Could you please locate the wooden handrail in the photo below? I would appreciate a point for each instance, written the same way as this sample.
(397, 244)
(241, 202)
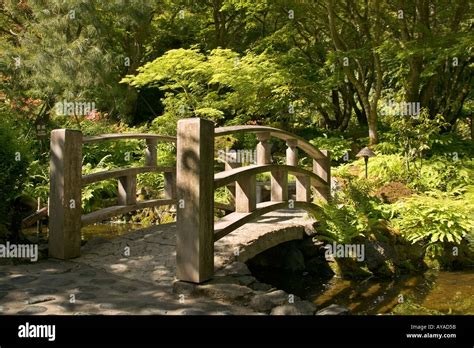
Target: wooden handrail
(104, 137)
(229, 176)
(119, 172)
(275, 132)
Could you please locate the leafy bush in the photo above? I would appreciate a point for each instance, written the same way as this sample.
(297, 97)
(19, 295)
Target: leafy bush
(338, 146)
(13, 166)
(435, 218)
(350, 214)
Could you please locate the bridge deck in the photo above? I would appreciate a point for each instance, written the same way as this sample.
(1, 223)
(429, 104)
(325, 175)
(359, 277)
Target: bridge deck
(106, 281)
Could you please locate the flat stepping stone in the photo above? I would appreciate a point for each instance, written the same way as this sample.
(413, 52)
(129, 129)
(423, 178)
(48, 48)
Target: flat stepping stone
(40, 299)
(6, 287)
(33, 310)
(23, 279)
(41, 291)
(123, 288)
(88, 288)
(87, 274)
(84, 296)
(60, 282)
(106, 281)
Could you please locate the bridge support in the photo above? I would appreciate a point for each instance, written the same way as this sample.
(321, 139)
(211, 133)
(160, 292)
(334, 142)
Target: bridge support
(322, 167)
(303, 188)
(65, 194)
(195, 206)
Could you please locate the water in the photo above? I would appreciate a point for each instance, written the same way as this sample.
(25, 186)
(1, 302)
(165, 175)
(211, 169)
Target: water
(435, 292)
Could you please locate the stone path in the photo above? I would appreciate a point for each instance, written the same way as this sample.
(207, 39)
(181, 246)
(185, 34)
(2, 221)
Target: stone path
(134, 274)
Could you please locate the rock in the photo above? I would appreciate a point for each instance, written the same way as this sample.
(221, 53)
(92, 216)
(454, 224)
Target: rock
(103, 281)
(310, 248)
(123, 288)
(23, 279)
(319, 266)
(93, 243)
(84, 296)
(40, 291)
(60, 282)
(265, 302)
(235, 268)
(32, 310)
(246, 280)
(6, 287)
(334, 310)
(257, 286)
(40, 299)
(183, 288)
(297, 308)
(294, 260)
(227, 292)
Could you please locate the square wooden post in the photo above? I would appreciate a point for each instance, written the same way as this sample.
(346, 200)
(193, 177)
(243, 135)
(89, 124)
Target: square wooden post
(170, 185)
(195, 206)
(279, 185)
(65, 194)
(127, 190)
(303, 190)
(151, 152)
(322, 167)
(245, 194)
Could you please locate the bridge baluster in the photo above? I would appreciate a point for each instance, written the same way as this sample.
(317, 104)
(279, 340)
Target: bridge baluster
(151, 152)
(127, 190)
(263, 148)
(322, 167)
(303, 190)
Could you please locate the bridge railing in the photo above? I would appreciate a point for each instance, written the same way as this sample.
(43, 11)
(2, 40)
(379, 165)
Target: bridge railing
(67, 181)
(196, 182)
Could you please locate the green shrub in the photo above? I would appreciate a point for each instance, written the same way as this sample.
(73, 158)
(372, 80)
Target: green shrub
(350, 214)
(435, 219)
(338, 146)
(13, 166)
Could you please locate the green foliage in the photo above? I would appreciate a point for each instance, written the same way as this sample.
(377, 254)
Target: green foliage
(218, 86)
(352, 213)
(337, 145)
(435, 219)
(13, 166)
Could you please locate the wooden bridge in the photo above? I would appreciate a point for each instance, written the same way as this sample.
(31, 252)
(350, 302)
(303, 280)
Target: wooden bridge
(190, 186)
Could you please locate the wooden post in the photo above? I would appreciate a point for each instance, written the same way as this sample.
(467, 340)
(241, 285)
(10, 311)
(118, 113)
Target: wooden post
(263, 148)
(231, 163)
(303, 190)
(127, 190)
(65, 194)
(150, 152)
(170, 185)
(322, 167)
(195, 193)
(279, 185)
(245, 194)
